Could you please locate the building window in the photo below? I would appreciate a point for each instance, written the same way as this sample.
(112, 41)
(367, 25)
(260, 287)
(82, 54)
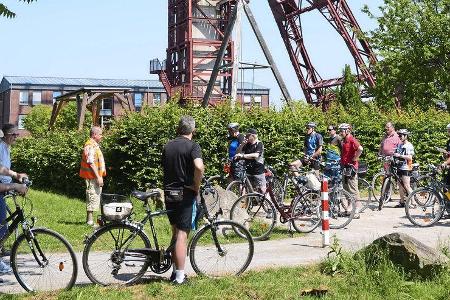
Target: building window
(247, 100)
(156, 99)
(56, 94)
(23, 100)
(257, 100)
(138, 101)
(20, 122)
(36, 98)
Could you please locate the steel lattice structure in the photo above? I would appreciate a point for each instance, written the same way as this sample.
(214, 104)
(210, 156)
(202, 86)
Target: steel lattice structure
(197, 29)
(287, 14)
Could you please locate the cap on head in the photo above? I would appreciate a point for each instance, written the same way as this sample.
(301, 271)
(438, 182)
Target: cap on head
(311, 125)
(233, 126)
(403, 132)
(344, 126)
(252, 131)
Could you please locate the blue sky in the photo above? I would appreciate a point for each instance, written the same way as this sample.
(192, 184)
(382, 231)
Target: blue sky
(116, 39)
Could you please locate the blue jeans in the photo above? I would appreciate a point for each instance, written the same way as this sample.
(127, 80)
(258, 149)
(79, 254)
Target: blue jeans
(3, 229)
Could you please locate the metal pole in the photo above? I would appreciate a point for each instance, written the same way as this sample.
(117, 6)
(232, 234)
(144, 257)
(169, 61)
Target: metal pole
(237, 52)
(220, 55)
(267, 53)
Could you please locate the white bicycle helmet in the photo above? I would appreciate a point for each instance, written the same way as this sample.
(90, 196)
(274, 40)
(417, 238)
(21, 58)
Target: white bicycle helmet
(403, 131)
(234, 126)
(344, 126)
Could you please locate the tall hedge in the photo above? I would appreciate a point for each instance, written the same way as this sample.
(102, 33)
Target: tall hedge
(133, 144)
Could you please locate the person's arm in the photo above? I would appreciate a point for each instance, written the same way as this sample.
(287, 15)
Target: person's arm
(199, 169)
(318, 152)
(89, 151)
(8, 172)
(358, 153)
(20, 188)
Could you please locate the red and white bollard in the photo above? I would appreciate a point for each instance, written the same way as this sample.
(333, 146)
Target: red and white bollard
(325, 214)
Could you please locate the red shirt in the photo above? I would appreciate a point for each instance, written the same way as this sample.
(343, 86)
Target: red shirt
(349, 147)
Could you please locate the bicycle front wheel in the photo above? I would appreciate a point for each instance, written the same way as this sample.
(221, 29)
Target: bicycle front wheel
(306, 212)
(42, 260)
(256, 213)
(222, 248)
(377, 185)
(235, 190)
(424, 207)
(108, 256)
(342, 208)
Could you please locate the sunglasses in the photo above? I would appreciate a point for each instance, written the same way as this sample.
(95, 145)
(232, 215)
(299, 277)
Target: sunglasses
(329, 129)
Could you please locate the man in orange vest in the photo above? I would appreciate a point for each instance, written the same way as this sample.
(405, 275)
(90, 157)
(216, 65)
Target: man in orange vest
(93, 170)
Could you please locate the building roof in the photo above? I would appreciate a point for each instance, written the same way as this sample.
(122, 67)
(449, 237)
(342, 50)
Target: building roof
(29, 81)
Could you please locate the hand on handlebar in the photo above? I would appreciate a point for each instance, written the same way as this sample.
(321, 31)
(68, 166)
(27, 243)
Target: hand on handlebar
(21, 189)
(21, 176)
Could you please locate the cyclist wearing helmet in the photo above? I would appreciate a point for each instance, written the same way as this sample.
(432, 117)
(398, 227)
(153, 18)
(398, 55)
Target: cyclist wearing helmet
(446, 163)
(404, 154)
(350, 152)
(236, 142)
(313, 148)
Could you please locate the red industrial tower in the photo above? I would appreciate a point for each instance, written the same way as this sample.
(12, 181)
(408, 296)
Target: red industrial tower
(287, 15)
(195, 32)
(199, 33)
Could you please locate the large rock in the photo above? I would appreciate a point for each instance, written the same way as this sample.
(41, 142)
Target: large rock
(405, 251)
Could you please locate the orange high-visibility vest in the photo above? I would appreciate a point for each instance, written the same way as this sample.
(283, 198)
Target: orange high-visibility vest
(85, 170)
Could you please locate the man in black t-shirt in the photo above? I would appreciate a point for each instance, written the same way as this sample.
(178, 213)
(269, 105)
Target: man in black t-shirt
(253, 155)
(183, 170)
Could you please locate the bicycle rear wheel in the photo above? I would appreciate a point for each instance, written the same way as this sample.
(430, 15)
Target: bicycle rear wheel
(236, 189)
(256, 213)
(222, 248)
(424, 207)
(306, 212)
(365, 199)
(107, 259)
(42, 260)
(342, 208)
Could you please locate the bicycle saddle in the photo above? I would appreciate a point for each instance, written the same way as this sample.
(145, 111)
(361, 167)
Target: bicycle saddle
(143, 196)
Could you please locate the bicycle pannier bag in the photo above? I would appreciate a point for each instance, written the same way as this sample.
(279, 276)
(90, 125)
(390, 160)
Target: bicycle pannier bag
(313, 183)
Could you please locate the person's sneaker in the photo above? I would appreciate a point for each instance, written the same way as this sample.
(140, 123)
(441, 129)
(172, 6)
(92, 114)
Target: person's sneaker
(90, 223)
(175, 282)
(400, 205)
(4, 268)
(356, 216)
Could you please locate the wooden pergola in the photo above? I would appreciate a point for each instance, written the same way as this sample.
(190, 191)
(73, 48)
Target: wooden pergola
(90, 98)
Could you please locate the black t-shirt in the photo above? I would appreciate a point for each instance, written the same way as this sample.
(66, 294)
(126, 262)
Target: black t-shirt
(254, 166)
(447, 146)
(178, 162)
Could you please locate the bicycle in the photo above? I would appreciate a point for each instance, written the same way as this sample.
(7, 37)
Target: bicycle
(365, 199)
(342, 203)
(41, 259)
(384, 185)
(215, 246)
(258, 212)
(427, 205)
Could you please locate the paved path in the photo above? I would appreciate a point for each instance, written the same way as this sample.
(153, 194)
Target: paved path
(307, 249)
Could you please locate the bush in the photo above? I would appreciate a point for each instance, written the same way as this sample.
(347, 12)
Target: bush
(133, 145)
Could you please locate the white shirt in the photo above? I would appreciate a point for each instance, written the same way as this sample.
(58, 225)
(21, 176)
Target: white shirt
(5, 160)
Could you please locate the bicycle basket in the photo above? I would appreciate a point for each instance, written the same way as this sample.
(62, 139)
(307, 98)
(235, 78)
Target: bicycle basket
(115, 207)
(362, 169)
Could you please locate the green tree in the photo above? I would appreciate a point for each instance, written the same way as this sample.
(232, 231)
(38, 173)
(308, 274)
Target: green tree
(348, 94)
(5, 12)
(412, 38)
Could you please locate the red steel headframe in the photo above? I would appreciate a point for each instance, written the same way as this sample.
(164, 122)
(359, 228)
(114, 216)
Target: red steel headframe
(190, 58)
(338, 14)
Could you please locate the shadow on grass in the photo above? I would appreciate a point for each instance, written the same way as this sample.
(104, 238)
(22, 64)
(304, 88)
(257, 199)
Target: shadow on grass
(72, 222)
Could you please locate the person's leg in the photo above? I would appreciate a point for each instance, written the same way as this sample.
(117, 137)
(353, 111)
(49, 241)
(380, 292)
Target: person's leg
(404, 193)
(93, 192)
(3, 213)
